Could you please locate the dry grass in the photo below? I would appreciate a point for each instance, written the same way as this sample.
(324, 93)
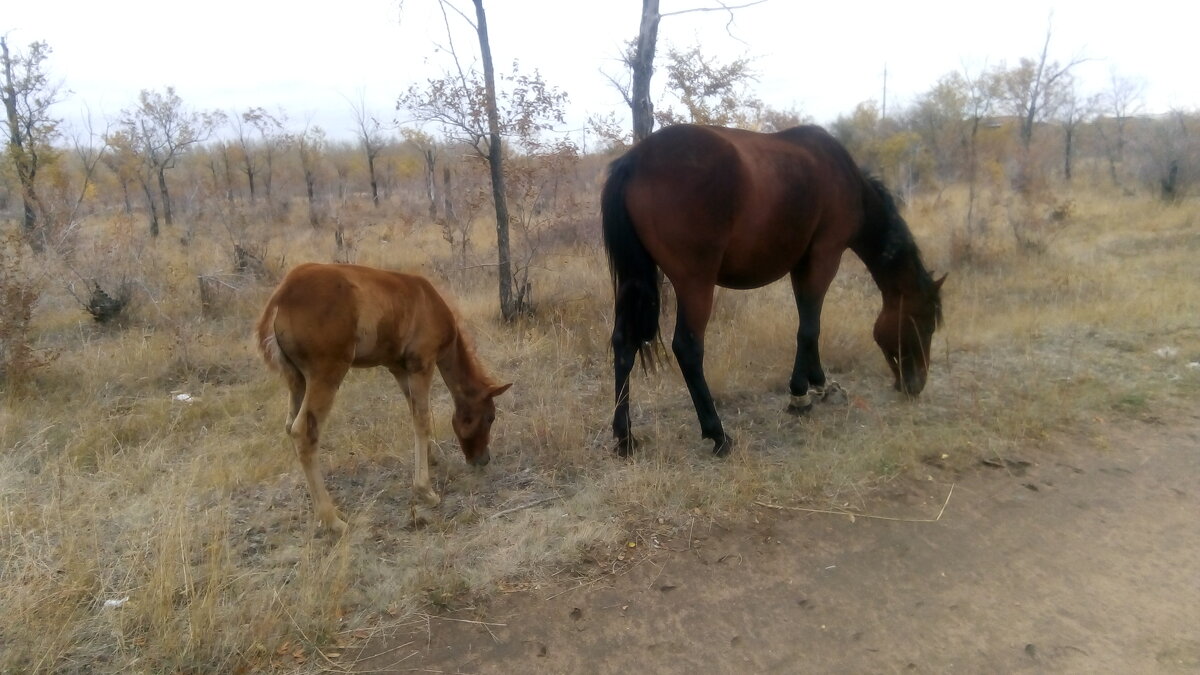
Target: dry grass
(197, 512)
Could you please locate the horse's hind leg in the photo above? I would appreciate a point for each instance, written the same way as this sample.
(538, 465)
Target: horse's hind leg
(624, 354)
(306, 435)
(688, 346)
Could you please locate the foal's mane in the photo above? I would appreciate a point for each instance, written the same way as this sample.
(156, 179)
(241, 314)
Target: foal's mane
(464, 346)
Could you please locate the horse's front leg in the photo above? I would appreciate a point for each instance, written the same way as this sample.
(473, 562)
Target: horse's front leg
(810, 282)
(807, 373)
(688, 346)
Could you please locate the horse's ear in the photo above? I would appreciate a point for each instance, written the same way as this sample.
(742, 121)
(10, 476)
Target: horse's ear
(937, 283)
(498, 389)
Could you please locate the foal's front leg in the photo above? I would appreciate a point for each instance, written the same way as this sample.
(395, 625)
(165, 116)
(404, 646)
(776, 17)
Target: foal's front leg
(416, 387)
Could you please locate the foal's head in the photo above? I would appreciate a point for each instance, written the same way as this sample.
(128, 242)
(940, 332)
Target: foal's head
(904, 331)
(473, 417)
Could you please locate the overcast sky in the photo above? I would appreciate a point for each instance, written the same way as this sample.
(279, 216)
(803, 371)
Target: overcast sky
(312, 58)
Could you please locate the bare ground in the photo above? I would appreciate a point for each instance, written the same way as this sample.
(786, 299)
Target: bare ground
(1080, 556)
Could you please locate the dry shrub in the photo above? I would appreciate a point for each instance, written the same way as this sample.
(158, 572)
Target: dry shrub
(19, 293)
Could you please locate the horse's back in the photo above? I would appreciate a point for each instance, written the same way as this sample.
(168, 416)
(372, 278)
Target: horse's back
(737, 207)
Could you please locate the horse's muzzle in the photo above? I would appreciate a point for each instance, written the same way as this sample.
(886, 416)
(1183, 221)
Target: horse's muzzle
(910, 385)
(481, 460)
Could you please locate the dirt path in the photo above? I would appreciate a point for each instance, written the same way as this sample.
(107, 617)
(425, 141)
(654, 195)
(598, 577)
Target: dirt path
(1085, 560)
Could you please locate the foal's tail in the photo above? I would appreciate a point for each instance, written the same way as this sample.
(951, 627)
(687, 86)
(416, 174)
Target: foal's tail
(635, 276)
(265, 340)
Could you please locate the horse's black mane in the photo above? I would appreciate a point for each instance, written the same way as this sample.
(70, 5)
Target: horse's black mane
(888, 241)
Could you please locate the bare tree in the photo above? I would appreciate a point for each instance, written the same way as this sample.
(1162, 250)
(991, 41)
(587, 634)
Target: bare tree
(160, 130)
(427, 146)
(28, 96)
(640, 61)
(371, 139)
(1122, 101)
(1075, 110)
(1034, 90)
(711, 92)
(469, 109)
(980, 94)
(1171, 154)
(310, 144)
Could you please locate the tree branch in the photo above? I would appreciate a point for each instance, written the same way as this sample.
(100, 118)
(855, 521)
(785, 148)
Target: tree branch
(723, 8)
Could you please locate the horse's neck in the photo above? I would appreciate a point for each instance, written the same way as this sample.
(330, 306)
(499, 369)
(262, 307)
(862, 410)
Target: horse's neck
(891, 257)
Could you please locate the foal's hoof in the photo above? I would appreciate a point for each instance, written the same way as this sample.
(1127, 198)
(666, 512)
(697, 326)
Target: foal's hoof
(426, 497)
(338, 527)
(419, 517)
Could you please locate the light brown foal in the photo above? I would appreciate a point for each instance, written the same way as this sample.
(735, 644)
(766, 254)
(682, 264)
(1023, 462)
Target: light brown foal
(325, 319)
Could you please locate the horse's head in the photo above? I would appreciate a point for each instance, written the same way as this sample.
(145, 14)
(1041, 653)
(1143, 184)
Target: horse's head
(904, 331)
(473, 417)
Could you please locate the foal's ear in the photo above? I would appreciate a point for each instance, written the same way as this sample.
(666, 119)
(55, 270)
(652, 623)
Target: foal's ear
(937, 283)
(498, 389)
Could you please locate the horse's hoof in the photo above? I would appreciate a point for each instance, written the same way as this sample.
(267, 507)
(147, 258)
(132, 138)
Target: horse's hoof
(338, 527)
(626, 446)
(834, 393)
(796, 410)
(722, 447)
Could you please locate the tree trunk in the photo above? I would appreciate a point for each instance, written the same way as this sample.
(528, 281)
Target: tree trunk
(643, 69)
(152, 206)
(18, 153)
(374, 180)
(430, 186)
(508, 304)
(166, 197)
(125, 195)
(447, 206)
(310, 180)
(249, 171)
(1068, 147)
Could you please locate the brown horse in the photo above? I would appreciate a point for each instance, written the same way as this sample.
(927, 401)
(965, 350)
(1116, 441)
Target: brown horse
(711, 207)
(325, 319)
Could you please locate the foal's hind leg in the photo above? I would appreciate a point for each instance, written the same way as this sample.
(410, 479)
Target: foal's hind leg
(305, 431)
(296, 388)
(688, 346)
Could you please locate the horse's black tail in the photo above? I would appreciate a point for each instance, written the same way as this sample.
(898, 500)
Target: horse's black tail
(635, 276)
